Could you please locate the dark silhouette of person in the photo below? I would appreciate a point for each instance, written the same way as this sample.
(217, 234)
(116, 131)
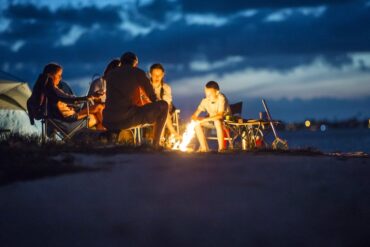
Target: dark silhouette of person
(121, 108)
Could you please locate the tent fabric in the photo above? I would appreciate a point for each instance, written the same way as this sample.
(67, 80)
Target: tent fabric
(13, 93)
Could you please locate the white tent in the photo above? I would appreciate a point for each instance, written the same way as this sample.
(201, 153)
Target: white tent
(14, 94)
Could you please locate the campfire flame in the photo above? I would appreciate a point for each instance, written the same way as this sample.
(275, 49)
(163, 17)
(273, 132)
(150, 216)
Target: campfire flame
(186, 137)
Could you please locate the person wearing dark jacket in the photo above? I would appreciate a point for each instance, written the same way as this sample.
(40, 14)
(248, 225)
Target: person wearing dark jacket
(121, 108)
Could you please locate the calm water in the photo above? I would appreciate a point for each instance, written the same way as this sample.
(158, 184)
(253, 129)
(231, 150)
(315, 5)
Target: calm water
(345, 140)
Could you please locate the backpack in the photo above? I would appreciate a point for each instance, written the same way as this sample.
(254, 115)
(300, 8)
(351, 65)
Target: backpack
(37, 101)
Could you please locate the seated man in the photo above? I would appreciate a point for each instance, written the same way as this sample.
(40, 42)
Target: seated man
(217, 106)
(121, 108)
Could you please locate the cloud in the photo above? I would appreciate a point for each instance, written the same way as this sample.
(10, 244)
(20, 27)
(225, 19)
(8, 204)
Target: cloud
(159, 10)
(315, 80)
(200, 65)
(207, 19)
(17, 45)
(85, 16)
(284, 14)
(227, 7)
(72, 36)
(192, 44)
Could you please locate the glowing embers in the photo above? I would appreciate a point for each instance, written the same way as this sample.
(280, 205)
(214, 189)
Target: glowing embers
(186, 137)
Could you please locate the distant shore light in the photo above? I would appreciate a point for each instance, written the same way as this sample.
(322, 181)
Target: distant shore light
(307, 123)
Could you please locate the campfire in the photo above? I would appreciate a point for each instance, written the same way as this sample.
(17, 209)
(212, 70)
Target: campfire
(186, 138)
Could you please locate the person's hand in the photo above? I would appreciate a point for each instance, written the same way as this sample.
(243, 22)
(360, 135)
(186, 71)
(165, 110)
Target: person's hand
(202, 120)
(94, 97)
(98, 94)
(194, 118)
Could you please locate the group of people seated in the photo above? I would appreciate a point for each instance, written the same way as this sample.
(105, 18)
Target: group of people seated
(125, 97)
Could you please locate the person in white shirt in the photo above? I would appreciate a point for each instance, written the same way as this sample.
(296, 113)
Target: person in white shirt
(216, 105)
(163, 92)
(99, 85)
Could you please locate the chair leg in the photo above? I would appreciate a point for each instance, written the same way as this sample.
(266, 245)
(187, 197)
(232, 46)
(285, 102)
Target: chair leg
(43, 132)
(139, 135)
(134, 133)
(228, 138)
(175, 121)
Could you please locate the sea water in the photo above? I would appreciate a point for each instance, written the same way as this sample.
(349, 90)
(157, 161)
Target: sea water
(330, 140)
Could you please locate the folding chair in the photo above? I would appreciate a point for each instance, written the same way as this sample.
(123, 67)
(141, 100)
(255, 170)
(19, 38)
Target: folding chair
(65, 130)
(176, 120)
(236, 110)
(138, 131)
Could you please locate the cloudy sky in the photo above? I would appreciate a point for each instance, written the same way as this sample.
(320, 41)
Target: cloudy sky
(308, 58)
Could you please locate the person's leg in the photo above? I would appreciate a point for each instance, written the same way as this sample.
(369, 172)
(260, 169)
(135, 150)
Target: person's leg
(220, 134)
(201, 138)
(95, 110)
(169, 125)
(153, 113)
(92, 121)
(160, 121)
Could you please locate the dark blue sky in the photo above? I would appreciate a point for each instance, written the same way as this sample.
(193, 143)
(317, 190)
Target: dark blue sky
(309, 58)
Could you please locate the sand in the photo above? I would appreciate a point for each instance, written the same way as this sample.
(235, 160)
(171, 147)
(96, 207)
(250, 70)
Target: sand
(193, 200)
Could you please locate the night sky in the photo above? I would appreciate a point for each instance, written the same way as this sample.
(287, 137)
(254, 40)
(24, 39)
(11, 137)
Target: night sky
(308, 58)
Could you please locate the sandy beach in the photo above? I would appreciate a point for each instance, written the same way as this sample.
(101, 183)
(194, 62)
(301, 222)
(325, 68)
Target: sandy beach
(175, 199)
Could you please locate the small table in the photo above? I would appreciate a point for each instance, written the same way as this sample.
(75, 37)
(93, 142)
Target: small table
(249, 131)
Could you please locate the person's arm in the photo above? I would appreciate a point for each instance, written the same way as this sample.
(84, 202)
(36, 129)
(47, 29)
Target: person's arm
(195, 115)
(201, 108)
(218, 116)
(220, 111)
(145, 84)
(167, 94)
(53, 91)
(67, 98)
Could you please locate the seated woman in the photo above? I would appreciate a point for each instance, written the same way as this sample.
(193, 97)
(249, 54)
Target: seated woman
(163, 92)
(99, 85)
(60, 103)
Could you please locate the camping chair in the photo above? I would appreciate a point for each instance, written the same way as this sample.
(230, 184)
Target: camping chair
(236, 110)
(65, 130)
(138, 131)
(176, 120)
